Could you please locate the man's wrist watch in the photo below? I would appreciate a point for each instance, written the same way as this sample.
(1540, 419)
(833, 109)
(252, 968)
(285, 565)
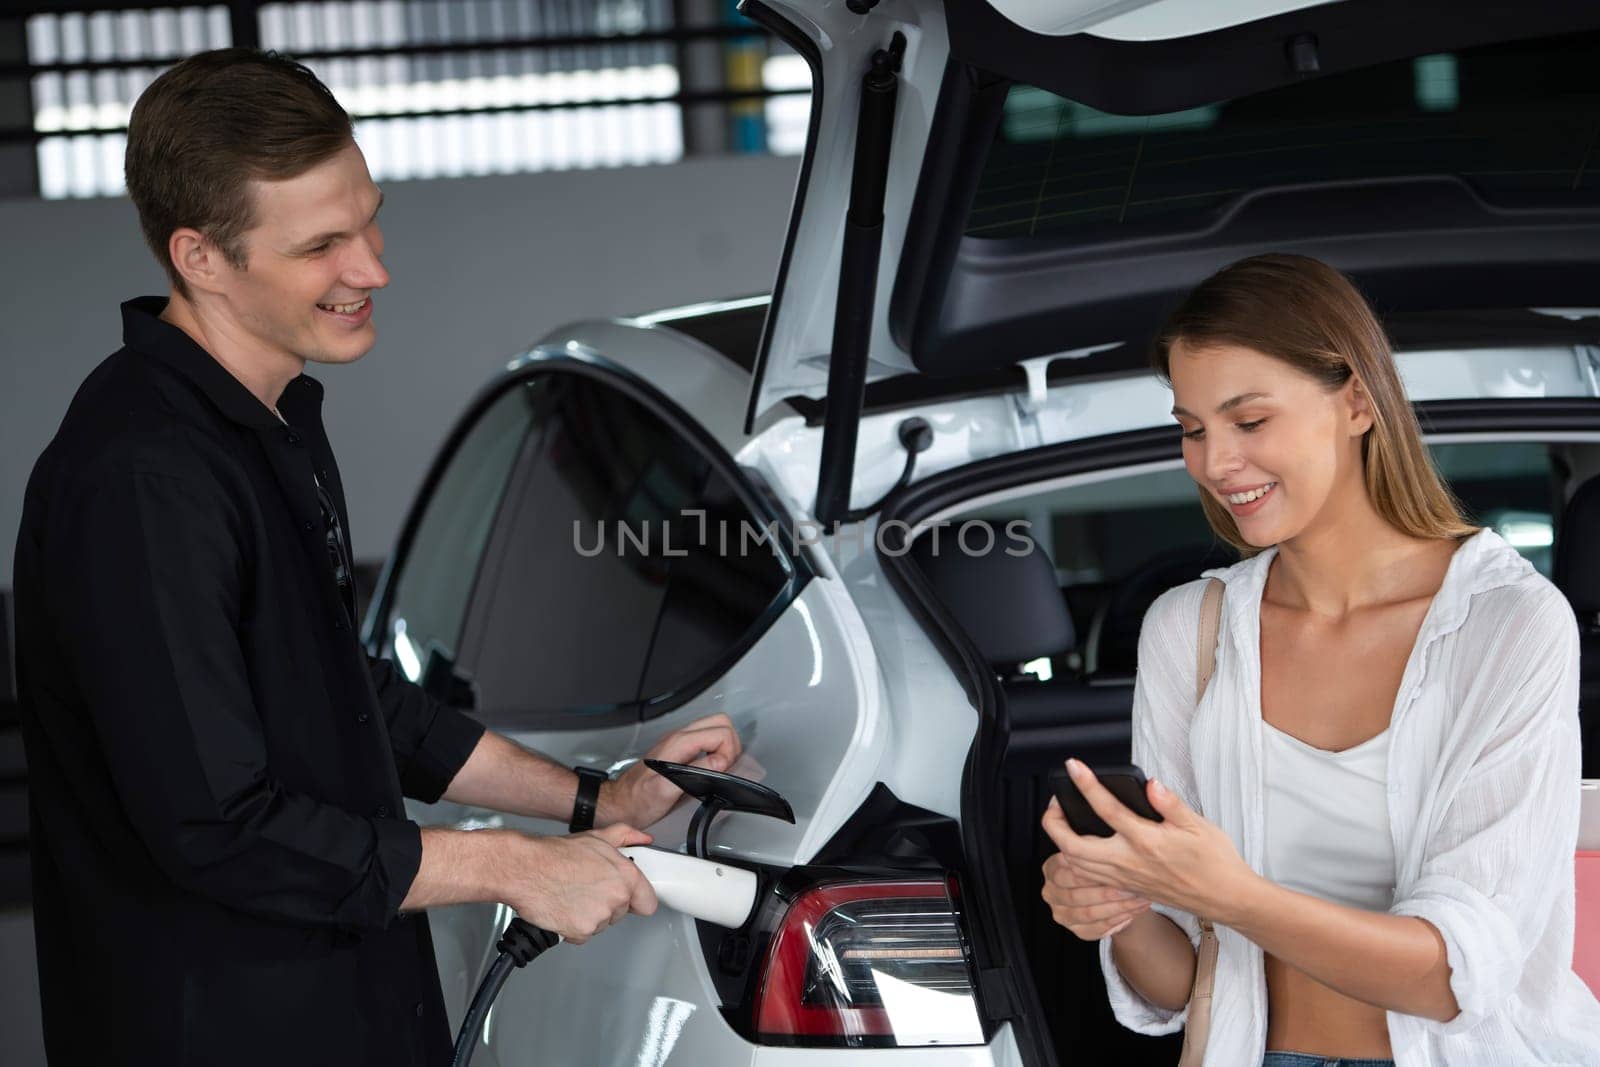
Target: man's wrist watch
(583, 806)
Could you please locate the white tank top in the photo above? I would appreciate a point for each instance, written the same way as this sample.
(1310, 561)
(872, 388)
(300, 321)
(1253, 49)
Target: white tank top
(1327, 820)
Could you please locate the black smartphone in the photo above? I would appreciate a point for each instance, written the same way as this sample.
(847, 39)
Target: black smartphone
(1124, 781)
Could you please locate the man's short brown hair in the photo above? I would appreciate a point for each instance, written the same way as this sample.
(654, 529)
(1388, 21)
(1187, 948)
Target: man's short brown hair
(208, 126)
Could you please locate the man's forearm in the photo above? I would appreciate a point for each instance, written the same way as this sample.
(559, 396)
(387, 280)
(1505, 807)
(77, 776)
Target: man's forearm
(502, 775)
(462, 867)
(1157, 960)
(1394, 962)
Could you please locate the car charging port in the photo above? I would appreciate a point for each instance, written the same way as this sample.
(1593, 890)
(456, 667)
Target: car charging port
(717, 793)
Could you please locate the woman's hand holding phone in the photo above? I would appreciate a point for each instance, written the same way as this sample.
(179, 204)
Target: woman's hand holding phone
(1183, 861)
(1090, 909)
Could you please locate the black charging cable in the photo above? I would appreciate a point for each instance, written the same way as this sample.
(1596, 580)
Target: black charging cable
(521, 943)
(916, 436)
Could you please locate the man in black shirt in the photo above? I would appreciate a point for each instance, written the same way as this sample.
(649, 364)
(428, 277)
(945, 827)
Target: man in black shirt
(224, 873)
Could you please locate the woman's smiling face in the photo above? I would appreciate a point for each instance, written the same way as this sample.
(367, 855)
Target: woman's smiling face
(1267, 441)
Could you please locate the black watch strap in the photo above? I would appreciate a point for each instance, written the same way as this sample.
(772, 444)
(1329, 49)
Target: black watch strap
(583, 806)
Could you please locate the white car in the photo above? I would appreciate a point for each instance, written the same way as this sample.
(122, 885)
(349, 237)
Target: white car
(729, 507)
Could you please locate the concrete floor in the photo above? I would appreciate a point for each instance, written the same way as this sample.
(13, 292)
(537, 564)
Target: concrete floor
(19, 991)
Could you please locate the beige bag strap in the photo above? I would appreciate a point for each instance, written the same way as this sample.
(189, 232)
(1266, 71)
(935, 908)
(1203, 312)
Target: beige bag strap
(1210, 621)
(1198, 1028)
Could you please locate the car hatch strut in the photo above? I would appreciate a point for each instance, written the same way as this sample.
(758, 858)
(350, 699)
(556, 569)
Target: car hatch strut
(858, 282)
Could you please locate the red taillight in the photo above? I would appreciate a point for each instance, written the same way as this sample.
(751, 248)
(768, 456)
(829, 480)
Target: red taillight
(870, 963)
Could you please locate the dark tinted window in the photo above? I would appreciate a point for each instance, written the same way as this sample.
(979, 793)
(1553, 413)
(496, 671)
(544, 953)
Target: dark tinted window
(435, 580)
(1514, 486)
(1514, 120)
(600, 592)
(717, 589)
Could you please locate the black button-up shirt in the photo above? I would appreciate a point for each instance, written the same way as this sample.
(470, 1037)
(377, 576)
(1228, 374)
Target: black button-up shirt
(216, 767)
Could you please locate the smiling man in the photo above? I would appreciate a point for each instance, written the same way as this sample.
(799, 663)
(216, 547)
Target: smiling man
(223, 868)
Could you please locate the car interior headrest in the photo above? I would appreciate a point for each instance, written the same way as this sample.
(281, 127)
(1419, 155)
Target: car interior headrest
(1577, 562)
(1001, 590)
(1113, 645)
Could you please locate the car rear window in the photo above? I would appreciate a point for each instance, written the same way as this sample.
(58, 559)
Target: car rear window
(1517, 121)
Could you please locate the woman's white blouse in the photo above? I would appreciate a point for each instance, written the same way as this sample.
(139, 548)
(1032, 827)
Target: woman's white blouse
(1483, 798)
(1327, 820)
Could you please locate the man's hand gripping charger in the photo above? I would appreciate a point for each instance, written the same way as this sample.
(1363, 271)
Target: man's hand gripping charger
(700, 888)
(703, 889)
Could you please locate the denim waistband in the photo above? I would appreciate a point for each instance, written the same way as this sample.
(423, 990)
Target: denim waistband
(1309, 1059)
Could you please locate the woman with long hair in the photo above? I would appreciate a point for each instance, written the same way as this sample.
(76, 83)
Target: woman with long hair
(1376, 800)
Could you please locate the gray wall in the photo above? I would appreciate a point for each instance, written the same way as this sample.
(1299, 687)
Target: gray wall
(480, 266)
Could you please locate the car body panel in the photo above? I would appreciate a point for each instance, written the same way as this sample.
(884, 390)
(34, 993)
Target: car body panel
(703, 382)
(808, 702)
(1001, 1052)
(976, 428)
(1138, 20)
(635, 995)
(1158, 21)
(800, 327)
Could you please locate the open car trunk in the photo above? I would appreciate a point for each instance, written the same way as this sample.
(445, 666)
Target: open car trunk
(1047, 195)
(1055, 177)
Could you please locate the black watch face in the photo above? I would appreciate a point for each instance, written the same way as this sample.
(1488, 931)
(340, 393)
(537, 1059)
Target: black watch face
(589, 781)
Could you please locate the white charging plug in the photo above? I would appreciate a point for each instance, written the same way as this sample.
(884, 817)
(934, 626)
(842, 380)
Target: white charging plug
(704, 889)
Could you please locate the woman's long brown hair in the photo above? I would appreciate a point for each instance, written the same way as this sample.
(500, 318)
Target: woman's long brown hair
(1310, 316)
